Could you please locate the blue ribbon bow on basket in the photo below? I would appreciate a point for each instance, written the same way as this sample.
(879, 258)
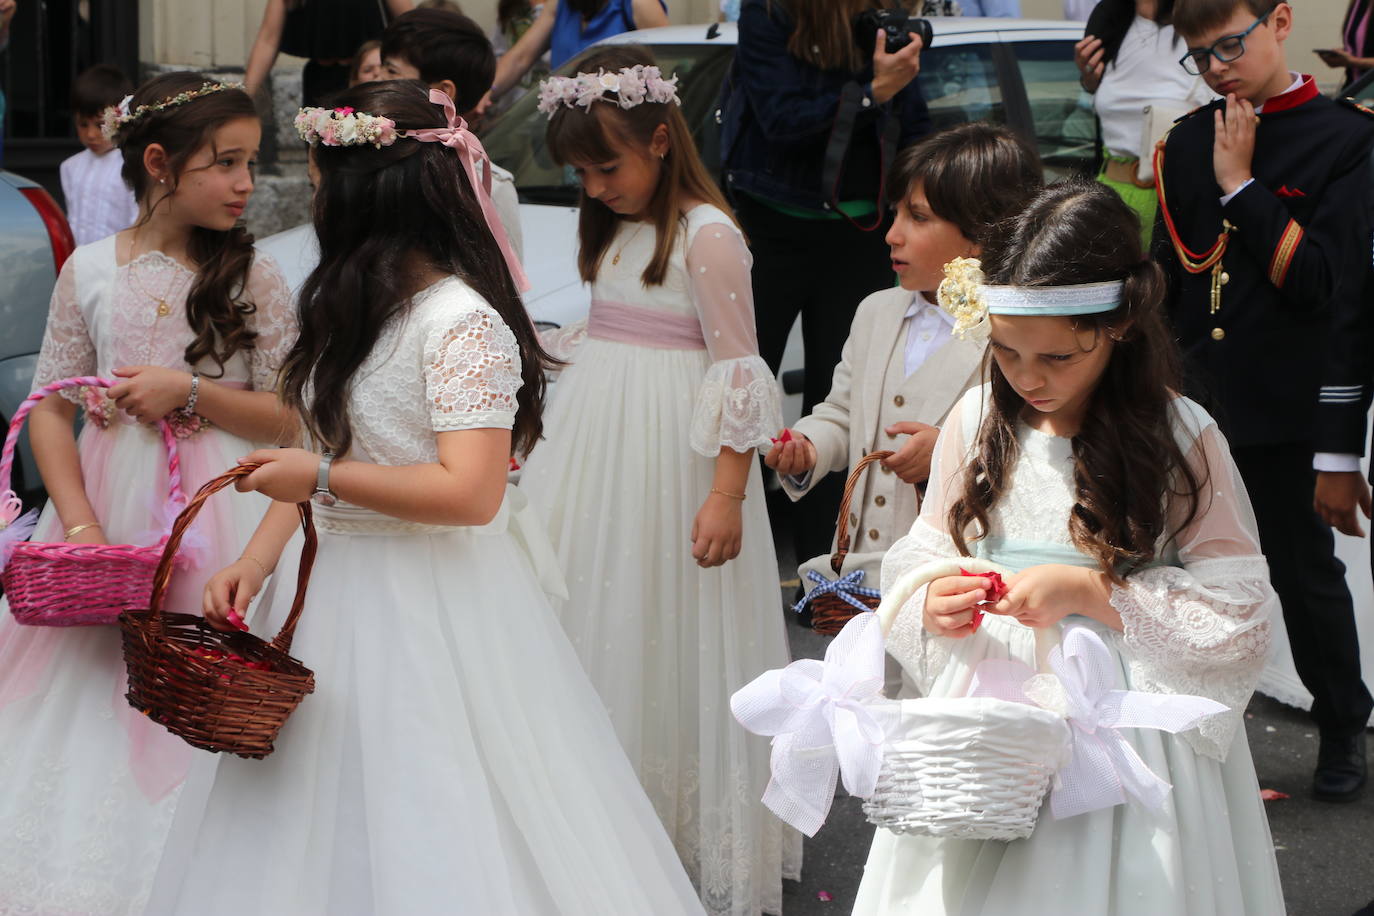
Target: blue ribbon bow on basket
(846, 588)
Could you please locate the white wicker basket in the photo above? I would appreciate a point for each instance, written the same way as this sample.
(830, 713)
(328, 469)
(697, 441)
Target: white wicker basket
(968, 768)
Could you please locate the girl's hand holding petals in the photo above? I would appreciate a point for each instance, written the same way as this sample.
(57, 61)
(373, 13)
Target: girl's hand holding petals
(149, 393)
(228, 594)
(287, 475)
(1041, 596)
(951, 603)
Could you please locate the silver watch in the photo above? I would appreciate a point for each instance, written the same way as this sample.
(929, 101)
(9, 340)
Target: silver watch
(324, 496)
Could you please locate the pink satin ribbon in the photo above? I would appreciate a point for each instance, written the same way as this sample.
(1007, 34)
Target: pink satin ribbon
(643, 327)
(457, 137)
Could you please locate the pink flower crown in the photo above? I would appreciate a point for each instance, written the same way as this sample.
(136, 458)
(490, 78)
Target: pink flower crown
(627, 88)
(344, 127)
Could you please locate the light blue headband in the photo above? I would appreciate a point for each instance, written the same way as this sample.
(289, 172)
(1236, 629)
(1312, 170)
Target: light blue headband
(964, 295)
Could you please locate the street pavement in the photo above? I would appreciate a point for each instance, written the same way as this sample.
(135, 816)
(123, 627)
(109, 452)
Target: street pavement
(1325, 851)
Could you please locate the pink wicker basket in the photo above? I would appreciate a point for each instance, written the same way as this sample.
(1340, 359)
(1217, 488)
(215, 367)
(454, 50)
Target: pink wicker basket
(65, 585)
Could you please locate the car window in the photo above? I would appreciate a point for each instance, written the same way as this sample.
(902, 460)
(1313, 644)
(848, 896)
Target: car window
(959, 84)
(516, 141)
(1062, 113)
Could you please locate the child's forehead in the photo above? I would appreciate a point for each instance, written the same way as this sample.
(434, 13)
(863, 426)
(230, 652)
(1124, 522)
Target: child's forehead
(1240, 19)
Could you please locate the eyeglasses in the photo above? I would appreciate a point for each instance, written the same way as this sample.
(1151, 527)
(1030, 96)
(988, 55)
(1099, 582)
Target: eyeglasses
(1225, 49)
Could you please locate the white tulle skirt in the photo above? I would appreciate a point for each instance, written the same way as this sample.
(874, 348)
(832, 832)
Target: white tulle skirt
(453, 758)
(1206, 853)
(665, 642)
(87, 784)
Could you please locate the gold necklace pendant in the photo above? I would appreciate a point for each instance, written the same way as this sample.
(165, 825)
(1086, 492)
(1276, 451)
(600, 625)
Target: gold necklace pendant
(163, 309)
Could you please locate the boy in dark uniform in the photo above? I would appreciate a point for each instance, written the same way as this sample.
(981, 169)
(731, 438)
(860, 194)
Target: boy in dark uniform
(1259, 237)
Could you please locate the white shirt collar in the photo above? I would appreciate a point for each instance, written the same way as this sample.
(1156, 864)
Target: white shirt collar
(919, 302)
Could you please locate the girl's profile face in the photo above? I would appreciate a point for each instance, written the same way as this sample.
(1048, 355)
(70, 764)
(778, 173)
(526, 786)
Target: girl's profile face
(1052, 364)
(626, 182)
(217, 181)
(923, 243)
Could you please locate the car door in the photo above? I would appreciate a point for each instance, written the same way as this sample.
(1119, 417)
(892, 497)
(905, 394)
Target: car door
(1044, 100)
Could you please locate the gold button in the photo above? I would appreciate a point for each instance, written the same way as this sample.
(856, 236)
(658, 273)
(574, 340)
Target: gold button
(899, 400)
(1224, 278)
(886, 469)
(872, 534)
(853, 520)
(1218, 333)
(880, 501)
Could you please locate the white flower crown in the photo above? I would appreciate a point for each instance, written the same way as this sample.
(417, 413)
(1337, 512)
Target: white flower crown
(627, 88)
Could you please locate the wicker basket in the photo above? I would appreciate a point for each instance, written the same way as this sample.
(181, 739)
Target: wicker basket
(830, 612)
(967, 769)
(63, 585)
(215, 703)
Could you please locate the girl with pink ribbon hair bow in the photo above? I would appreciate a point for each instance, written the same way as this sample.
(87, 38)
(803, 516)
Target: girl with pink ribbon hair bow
(453, 757)
(648, 479)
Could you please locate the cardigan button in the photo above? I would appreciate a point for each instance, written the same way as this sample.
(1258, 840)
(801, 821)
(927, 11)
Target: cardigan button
(1218, 333)
(899, 400)
(880, 500)
(853, 520)
(872, 534)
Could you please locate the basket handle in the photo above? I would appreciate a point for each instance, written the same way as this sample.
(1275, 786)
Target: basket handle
(163, 575)
(169, 439)
(842, 527)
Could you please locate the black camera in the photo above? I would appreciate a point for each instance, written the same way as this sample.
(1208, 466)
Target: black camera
(897, 26)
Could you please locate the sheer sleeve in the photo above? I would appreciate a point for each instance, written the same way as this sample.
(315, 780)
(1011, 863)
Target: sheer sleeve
(68, 349)
(274, 320)
(562, 342)
(919, 653)
(738, 405)
(472, 372)
(1203, 626)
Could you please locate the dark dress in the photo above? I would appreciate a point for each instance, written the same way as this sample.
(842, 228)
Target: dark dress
(328, 33)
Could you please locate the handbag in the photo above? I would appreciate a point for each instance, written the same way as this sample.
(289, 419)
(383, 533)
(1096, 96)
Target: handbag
(1158, 119)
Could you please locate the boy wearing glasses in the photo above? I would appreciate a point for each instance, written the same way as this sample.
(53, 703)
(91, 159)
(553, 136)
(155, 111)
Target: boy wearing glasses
(1261, 236)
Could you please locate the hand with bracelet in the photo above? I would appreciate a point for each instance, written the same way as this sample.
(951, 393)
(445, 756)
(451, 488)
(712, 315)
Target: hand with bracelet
(85, 533)
(718, 529)
(149, 393)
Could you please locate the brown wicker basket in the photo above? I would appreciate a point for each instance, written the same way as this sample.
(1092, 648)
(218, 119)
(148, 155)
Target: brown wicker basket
(182, 675)
(830, 612)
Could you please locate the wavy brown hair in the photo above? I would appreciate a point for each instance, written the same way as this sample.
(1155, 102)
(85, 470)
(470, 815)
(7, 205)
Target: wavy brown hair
(215, 309)
(592, 135)
(823, 32)
(375, 211)
(1128, 467)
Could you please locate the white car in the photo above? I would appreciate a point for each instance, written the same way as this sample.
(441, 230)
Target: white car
(1009, 71)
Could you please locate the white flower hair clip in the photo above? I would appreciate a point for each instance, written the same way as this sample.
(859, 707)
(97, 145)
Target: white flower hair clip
(627, 88)
(344, 127)
(964, 295)
(960, 294)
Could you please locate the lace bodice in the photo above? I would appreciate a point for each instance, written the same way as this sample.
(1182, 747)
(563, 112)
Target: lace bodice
(1198, 623)
(104, 315)
(708, 279)
(448, 363)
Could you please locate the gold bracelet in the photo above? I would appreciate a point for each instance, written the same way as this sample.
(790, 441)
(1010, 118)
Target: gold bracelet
(265, 571)
(739, 496)
(74, 530)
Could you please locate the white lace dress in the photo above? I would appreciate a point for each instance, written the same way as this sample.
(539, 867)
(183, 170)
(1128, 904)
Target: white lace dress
(87, 784)
(1197, 624)
(628, 458)
(453, 757)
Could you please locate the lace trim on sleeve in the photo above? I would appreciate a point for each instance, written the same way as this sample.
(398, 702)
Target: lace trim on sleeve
(274, 321)
(472, 373)
(1203, 630)
(67, 348)
(738, 407)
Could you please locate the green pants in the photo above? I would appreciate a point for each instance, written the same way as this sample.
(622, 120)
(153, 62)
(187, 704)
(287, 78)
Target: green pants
(1142, 200)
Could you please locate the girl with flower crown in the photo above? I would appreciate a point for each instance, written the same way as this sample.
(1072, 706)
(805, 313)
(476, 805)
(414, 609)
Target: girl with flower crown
(648, 480)
(193, 326)
(453, 757)
(1110, 502)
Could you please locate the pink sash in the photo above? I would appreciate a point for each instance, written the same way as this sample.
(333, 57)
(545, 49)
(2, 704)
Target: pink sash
(643, 327)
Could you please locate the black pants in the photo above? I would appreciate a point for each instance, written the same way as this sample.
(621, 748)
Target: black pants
(1310, 581)
(820, 270)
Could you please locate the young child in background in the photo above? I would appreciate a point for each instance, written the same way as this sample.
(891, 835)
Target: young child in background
(194, 326)
(453, 757)
(99, 203)
(903, 368)
(448, 52)
(367, 63)
(647, 477)
(1114, 505)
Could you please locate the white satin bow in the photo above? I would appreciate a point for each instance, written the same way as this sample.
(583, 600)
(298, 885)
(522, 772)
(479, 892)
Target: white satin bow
(827, 719)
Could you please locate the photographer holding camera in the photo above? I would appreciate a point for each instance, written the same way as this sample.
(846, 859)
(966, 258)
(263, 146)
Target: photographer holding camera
(821, 96)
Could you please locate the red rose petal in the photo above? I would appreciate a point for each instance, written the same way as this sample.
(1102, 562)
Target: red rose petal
(1273, 795)
(824, 896)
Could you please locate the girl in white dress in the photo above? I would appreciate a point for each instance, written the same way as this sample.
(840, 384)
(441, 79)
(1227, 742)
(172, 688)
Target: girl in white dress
(453, 757)
(648, 480)
(194, 326)
(1115, 503)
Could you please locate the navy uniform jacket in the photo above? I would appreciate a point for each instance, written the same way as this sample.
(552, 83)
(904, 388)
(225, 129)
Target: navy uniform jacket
(1299, 246)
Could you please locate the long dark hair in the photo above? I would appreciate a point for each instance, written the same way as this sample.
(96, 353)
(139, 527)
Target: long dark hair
(214, 309)
(1128, 466)
(1110, 19)
(376, 209)
(823, 32)
(586, 135)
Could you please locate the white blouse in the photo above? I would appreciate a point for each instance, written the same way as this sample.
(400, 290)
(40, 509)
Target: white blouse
(99, 203)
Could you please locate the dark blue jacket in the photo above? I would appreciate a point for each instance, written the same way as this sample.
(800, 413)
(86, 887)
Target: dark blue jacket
(777, 111)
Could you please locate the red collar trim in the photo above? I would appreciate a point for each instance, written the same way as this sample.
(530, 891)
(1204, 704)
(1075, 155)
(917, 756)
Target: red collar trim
(1293, 98)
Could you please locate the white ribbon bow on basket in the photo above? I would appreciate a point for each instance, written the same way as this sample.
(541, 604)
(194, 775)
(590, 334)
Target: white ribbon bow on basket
(1103, 769)
(827, 720)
